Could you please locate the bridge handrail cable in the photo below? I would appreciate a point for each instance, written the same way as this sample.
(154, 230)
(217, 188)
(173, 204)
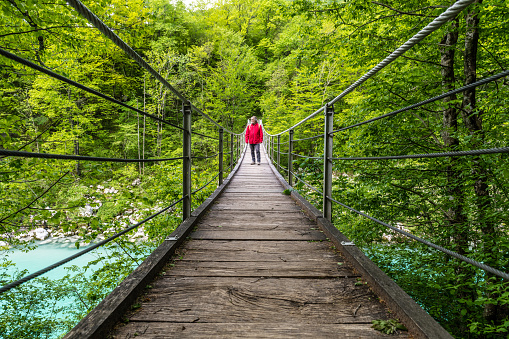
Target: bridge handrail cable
(80, 86)
(103, 28)
(428, 243)
(448, 14)
(24, 154)
(128, 50)
(433, 155)
(16, 283)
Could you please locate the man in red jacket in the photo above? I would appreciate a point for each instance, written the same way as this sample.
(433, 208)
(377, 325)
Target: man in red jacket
(254, 137)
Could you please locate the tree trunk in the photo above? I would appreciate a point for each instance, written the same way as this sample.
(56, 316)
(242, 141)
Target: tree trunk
(472, 118)
(455, 214)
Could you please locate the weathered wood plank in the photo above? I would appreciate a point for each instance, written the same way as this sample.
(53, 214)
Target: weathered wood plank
(272, 215)
(297, 291)
(256, 267)
(304, 235)
(248, 330)
(253, 256)
(279, 198)
(254, 190)
(259, 269)
(254, 226)
(272, 247)
(242, 205)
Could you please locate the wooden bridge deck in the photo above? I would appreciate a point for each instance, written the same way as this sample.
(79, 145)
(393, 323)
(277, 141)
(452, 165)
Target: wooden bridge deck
(256, 267)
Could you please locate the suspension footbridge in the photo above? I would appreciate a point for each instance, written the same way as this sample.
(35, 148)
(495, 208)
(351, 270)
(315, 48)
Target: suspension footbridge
(257, 264)
(251, 261)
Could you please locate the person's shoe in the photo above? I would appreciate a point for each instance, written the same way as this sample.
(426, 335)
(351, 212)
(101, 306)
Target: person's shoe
(252, 163)
(258, 163)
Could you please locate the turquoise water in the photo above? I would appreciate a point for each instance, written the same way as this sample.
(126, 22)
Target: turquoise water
(48, 253)
(45, 254)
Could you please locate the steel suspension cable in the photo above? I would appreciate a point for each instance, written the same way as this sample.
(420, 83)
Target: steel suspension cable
(104, 29)
(80, 86)
(208, 183)
(430, 244)
(436, 98)
(448, 14)
(203, 135)
(434, 155)
(24, 154)
(307, 184)
(16, 283)
(306, 157)
(315, 137)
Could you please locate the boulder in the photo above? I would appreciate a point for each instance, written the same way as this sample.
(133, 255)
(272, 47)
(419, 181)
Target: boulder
(39, 233)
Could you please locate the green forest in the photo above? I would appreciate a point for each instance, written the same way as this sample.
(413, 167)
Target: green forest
(280, 60)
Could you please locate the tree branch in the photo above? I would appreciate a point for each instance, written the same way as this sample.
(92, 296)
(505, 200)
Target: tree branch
(407, 13)
(37, 198)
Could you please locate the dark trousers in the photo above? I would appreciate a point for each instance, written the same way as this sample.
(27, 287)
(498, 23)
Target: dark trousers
(255, 147)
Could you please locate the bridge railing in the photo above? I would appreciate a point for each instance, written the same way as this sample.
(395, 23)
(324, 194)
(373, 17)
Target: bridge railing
(284, 160)
(229, 144)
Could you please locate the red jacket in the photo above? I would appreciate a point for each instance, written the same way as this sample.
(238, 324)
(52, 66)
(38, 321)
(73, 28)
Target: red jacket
(254, 134)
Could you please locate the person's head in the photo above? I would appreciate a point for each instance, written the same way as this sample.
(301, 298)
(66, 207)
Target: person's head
(254, 120)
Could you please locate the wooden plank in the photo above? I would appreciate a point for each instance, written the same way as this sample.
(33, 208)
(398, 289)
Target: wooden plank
(259, 222)
(280, 198)
(253, 256)
(273, 215)
(273, 247)
(259, 269)
(248, 206)
(267, 225)
(304, 235)
(240, 300)
(254, 190)
(248, 330)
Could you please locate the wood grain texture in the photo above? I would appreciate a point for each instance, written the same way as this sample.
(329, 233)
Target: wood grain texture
(419, 323)
(249, 330)
(256, 267)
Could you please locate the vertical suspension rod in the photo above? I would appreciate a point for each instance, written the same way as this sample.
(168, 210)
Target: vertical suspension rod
(186, 168)
(221, 132)
(327, 161)
(290, 158)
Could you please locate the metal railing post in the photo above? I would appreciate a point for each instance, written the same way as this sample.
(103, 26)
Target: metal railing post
(278, 152)
(290, 158)
(186, 154)
(221, 132)
(238, 146)
(267, 146)
(231, 151)
(327, 162)
(272, 149)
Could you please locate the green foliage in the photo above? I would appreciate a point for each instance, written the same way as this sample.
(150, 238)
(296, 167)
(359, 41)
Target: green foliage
(388, 326)
(279, 60)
